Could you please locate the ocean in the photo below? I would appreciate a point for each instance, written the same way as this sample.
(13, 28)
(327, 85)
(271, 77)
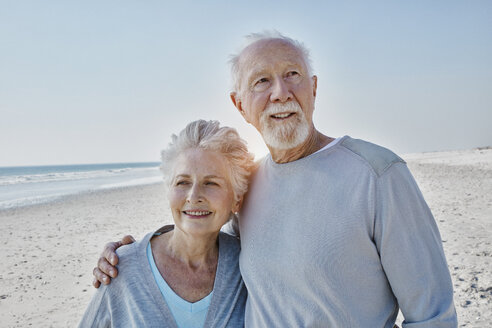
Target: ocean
(28, 185)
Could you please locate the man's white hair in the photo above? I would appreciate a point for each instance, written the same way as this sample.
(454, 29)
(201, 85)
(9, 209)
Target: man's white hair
(265, 35)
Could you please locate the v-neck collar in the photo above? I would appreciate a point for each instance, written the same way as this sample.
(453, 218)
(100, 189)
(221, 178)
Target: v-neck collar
(153, 289)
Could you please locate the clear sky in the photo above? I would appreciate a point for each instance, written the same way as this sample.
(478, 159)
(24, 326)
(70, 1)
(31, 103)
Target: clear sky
(109, 81)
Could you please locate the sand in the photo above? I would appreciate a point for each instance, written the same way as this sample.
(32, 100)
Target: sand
(48, 251)
(457, 185)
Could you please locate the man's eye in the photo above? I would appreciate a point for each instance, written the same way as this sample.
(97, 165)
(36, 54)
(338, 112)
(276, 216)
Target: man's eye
(292, 73)
(181, 183)
(261, 84)
(211, 183)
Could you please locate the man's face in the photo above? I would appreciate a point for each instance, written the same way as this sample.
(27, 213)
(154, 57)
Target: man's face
(276, 93)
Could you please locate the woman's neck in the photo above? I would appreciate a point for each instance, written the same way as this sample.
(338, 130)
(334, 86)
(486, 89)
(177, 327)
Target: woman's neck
(192, 251)
(187, 263)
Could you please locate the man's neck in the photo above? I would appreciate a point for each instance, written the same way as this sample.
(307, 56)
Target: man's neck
(313, 143)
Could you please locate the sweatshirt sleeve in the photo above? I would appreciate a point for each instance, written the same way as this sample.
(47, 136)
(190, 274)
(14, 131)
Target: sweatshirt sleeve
(97, 313)
(411, 252)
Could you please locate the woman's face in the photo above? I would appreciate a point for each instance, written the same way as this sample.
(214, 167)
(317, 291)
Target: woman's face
(201, 197)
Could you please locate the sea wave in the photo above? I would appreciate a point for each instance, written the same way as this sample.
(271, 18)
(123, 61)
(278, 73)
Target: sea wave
(68, 176)
(23, 186)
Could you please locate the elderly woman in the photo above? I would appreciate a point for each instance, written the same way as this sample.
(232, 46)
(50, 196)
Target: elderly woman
(190, 269)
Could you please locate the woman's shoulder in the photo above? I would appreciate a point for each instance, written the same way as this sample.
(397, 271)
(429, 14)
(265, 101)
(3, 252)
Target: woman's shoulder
(130, 249)
(130, 256)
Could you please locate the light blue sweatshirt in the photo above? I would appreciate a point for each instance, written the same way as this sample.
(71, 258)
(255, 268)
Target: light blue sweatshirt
(342, 238)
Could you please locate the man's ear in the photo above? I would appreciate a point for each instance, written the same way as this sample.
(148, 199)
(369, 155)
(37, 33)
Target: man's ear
(315, 84)
(237, 102)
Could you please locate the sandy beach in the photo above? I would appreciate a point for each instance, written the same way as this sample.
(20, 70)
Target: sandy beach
(49, 250)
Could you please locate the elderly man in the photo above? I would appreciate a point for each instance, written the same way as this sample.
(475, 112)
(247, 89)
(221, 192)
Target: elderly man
(334, 232)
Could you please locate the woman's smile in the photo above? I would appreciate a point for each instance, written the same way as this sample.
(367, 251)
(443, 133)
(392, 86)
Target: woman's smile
(201, 197)
(197, 214)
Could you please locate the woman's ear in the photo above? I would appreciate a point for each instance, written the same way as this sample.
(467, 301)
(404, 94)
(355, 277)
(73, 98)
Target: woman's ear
(237, 205)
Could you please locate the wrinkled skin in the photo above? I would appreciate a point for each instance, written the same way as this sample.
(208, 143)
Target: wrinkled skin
(106, 266)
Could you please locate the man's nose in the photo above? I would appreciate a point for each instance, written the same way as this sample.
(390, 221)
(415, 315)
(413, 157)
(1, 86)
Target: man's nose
(194, 194)
(280, 91)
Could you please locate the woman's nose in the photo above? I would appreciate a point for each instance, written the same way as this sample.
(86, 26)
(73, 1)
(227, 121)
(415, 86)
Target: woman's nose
(195, 194)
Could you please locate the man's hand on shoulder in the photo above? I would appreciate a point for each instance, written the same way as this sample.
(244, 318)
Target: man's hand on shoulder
(106, 266)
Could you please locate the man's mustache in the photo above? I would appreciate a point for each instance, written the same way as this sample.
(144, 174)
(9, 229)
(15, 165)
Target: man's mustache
(275, 108)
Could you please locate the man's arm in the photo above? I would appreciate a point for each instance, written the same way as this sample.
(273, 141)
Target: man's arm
(106, 265)
(411, 252)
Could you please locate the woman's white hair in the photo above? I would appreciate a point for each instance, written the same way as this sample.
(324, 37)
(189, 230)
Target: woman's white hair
(209, 135)
(265, 35)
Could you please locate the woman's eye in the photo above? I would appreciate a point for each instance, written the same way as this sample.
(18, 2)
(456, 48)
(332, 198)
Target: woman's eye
(262, 80)
(211, 183)
(181, 183)
(292, 73)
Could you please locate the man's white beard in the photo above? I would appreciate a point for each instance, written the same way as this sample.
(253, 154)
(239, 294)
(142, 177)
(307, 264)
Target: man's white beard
(285, 134)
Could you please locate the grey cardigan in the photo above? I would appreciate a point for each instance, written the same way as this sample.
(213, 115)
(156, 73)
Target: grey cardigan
(133, 299)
